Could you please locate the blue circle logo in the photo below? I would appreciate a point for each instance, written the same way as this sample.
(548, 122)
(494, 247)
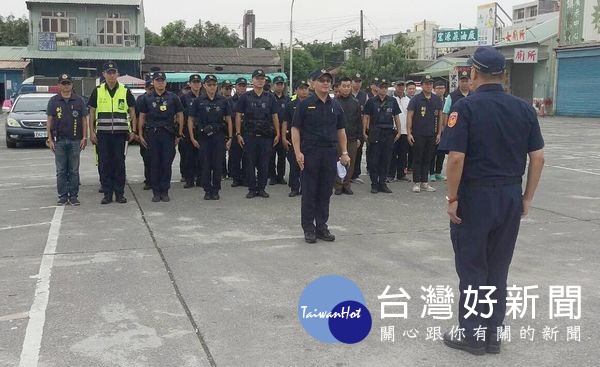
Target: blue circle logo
(332, 309)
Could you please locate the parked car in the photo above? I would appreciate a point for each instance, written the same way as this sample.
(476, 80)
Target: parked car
(26, 121)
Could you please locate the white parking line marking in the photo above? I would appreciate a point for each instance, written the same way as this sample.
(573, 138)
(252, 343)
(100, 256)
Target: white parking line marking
(24, 226)
(575, 170)
(30, 353)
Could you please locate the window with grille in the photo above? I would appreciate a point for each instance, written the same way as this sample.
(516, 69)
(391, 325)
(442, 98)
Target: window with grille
(114, 31)
(58, 22)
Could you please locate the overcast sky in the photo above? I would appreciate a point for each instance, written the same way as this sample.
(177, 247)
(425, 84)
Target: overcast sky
(322, 20)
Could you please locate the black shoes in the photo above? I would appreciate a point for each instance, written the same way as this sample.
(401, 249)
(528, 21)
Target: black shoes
(74, 201)
(310, 237)
(347, 191)
(147, 186)
(215, 197)
(293, 193)
(107, 199)
(62, 201)
(374, 189)
(165, 197)
(384, 188)
(281, 181)
(263, 194)
(156, 198)
(207, 196)
(121, 199)
(250, 195)
(325, 235)
(188, 185)
(272, 181)
(236, 183)
(474, 347)
(338, 191)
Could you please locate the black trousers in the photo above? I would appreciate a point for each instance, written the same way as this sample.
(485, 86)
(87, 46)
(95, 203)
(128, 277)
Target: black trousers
(111, 161)
(318, 178)
(212, 152)
(257, 154)
(277, 162)
(399, 161)
(161, 145)
(235, 163)
(357, 163)
(422, 153)
(190, 162)
(295, 177)
(483, 247)
(380, 156)
(146, 158)
(437, 162)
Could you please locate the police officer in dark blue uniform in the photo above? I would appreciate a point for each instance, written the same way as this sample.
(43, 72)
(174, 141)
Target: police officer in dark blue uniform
(208, 113)
(143, 150)
(235, 163)
(157, 113)
(277, 163)
(190, 159)
(488, 136)
(261, 133)
(319, 138)
(286, 136)
(381, 114)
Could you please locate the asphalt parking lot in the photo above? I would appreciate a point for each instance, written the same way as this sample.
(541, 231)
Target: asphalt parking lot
(217, 283)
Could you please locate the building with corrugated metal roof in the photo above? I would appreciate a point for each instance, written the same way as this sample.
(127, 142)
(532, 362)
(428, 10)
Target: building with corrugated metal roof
(13, 70)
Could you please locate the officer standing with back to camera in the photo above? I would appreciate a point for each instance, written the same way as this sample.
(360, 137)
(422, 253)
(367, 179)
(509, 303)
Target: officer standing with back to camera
(277, 163)
(488, 136)
(258, 109)
(381, 115)
(157, 113)
(235, 163)
(319, 138)
(192, 165)
(110, 105)
(208, 113)
(295, 177)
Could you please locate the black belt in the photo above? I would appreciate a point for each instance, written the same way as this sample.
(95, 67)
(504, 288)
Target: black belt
(499, 181)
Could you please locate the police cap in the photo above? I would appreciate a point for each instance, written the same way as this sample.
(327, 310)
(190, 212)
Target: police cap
(278, 79)
(464, 75)
(195, 78)
(258, 72)
(316, 74)
(111, 65)
(157, 75)
(488, 60)
(241, 81)
(210, 78)
(65, 78)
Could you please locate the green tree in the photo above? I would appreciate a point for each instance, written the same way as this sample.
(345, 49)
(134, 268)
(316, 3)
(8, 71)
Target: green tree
(388, 62)
(152, 39)
(304, 63)
(201, 34)
(352, 42)
(14, 31)
(262, 43)
(327, 55)
(175, 34)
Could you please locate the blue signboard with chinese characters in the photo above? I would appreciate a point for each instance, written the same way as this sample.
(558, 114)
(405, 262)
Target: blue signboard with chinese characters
(47, 41)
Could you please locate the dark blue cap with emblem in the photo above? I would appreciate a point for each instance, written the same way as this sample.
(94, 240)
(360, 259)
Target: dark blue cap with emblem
(488, 60)
(316, 74)
(195, 78)
(357, 77)
(226, 83)
(464, 75)
(258, 72)
(382, 82)
(158, 75)
(64, 78)
(210, 78)
(240, 81)
(278, 79)
(111, 65)
(301, 83)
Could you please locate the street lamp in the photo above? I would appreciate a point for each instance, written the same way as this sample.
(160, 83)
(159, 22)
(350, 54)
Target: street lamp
(291, 48)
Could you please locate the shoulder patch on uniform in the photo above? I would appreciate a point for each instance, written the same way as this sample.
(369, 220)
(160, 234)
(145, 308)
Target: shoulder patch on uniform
(452, 119)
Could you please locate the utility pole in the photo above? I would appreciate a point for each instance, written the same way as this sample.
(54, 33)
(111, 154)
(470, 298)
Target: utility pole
(362, 37)
(291, 47)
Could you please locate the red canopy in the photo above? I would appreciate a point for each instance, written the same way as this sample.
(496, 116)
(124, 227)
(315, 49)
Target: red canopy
(130, 81)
